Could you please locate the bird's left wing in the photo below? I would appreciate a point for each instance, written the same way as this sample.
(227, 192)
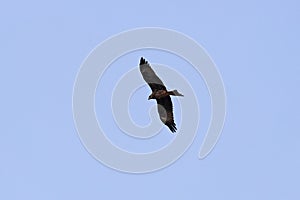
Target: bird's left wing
(150, 77)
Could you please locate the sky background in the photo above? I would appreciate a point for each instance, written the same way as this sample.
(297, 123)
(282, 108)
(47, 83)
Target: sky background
(255, 45)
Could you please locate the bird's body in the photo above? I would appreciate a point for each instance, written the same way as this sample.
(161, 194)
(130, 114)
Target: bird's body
(160, 93)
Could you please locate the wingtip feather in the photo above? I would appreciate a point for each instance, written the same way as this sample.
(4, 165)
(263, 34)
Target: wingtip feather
(172, 127)
(143, 61)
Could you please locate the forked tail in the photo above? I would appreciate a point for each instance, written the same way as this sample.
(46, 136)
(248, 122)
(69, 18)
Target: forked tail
(175, 93)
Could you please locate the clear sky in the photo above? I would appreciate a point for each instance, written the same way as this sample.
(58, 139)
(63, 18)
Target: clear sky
(255, 45)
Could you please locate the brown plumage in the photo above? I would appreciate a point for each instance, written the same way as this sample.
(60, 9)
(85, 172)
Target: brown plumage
(160, 93)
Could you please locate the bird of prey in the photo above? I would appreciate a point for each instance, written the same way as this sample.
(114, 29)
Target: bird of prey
(160, 93)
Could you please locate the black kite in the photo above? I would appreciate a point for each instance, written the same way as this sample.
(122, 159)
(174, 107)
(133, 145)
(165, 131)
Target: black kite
(160, 93)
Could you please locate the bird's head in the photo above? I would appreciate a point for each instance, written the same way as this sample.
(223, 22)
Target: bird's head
(150, 97)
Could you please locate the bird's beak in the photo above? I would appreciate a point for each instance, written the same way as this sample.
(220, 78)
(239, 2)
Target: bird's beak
(148, 98)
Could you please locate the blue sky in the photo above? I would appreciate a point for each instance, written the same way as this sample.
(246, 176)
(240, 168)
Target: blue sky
(255, 45)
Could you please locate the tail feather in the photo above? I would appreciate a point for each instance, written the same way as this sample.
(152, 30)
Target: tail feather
(175, 93)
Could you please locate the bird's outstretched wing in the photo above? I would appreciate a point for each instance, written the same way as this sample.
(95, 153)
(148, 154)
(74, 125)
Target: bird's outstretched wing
(150, 77)
(165, 111)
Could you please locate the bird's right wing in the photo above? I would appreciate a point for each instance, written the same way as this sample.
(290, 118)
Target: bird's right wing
(165, 111)
(150, 77)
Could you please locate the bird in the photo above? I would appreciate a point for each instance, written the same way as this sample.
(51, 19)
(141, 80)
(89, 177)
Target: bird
(160, 94)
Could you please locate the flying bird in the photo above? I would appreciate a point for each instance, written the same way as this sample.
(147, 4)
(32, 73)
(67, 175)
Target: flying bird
(160, 93)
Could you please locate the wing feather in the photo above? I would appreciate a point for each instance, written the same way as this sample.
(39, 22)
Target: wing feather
(150, 77)
(165, 110)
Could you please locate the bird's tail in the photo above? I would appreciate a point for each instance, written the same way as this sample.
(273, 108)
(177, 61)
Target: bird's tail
(175, 93)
